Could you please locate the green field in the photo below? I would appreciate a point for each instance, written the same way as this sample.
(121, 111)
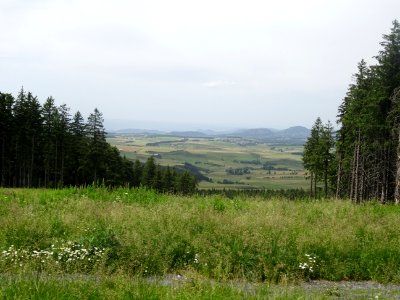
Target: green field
(266, 166)
(136, 244)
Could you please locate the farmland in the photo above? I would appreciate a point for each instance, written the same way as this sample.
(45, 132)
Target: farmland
(228, 162)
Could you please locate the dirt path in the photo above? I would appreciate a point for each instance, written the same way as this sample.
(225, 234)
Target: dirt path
(354, 289)
(330, 289)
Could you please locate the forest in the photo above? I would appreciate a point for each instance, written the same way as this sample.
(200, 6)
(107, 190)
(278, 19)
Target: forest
(46, 146)
(361, 161)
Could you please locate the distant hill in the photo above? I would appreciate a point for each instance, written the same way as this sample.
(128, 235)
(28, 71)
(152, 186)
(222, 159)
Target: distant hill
(187, 134)
(295, 134)
(138, 131)
(258, 133)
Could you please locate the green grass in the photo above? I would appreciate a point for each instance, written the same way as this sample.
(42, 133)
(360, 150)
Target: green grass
(208, 239)
(214, 155)
(120, 287)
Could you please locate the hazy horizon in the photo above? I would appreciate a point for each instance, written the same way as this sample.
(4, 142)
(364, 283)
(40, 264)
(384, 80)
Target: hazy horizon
(118, 124)
(240, 64)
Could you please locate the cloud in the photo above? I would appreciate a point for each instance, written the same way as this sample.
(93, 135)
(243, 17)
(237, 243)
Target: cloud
(219, 83)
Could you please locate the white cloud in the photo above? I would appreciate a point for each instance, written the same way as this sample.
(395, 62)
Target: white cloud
(219, 83)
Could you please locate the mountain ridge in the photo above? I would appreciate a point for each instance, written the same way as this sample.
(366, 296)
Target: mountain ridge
(294, 132)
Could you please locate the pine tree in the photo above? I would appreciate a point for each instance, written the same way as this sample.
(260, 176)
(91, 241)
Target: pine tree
(79, 150)
(327, 144)
(96, 157)
(318, 156)
(27, 112)
(158, 183)
(169, 181)
(149, 173)
(395, 121)
(366, 149)
(49, 113)
(310, 156)
(137, 173)
(186, 184)
(7, 128)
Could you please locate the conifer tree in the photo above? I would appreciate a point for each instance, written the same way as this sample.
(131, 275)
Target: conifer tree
(149, 173)
(169, 181)
(310, 156)
(318, 156)
(7, 128)
(79, 150)
(41, 146)
(186, 183)
(49, 112)
(97, 145)
(366, 149)
(137, 173)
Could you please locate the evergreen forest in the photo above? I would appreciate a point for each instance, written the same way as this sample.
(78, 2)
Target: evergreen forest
(361, 161)
(46, 146)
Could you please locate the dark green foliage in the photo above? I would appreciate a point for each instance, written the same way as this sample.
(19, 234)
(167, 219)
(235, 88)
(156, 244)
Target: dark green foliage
(186, 184)
(137, 173)
(6, 137)
(318, 156)
(27, 133)
(368, 139)
(165, 179)
(149, 173)
(169, 180)
(238, 171)
(43, 146)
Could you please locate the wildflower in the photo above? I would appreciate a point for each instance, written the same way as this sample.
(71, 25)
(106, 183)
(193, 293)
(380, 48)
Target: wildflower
(309, 265)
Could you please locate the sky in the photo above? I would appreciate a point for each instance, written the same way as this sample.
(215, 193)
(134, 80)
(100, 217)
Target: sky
(185, 64)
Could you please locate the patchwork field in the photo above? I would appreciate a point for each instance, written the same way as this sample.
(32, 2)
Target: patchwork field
(228, 162)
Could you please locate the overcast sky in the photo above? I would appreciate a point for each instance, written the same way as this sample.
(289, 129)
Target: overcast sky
(187, 64)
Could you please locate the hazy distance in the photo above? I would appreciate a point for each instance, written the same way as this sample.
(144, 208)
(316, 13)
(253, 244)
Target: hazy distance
(187, 65)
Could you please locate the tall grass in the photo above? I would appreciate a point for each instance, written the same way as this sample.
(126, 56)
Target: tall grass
(120, 287)
(140, 233)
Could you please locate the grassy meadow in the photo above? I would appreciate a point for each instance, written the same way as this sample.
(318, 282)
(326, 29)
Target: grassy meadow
(133, 243)
(213, 156)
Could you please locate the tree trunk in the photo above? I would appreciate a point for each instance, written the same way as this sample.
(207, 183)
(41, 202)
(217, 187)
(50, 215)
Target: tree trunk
(397, 187)
(315, 186)
(62, 164)
(338, 181)
(353, 171)
(384, 184)
(362, 179)
(30, 176)
(326, 177)
(357, 171)
(3, 163)
(55, 164)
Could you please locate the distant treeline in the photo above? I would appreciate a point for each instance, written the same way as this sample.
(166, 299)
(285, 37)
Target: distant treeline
(46, 146)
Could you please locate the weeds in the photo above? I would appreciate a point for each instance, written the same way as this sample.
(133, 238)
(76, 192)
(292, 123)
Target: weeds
(70, 257)
(136, 232)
